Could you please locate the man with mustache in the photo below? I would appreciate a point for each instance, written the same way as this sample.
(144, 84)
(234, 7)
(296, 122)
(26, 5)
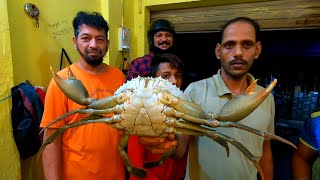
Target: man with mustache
(239, 47)
(161, 36)
(90, 151)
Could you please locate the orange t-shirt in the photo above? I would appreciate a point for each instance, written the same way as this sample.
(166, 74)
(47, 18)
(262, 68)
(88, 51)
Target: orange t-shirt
(89, 151)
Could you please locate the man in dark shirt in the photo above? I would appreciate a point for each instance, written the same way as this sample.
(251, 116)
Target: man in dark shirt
(161, 36)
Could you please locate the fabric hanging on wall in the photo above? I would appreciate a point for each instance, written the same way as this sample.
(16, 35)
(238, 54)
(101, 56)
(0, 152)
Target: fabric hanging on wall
(26, 114)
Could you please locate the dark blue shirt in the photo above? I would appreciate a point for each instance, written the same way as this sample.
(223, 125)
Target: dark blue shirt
(311, 132)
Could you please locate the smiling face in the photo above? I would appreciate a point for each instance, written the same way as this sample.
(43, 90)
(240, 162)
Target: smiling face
(171, 74)
(92, 44)
(238, 49)
(163, 40)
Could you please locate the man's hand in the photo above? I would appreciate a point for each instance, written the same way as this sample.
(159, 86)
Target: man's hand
(159, 145)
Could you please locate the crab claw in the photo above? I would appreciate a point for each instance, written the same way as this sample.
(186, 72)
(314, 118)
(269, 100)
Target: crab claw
(72, 88)
(240, 107)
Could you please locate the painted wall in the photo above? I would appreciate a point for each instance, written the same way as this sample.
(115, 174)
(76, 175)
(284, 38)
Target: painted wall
(9, 155)
(27, 54)
(34, 50)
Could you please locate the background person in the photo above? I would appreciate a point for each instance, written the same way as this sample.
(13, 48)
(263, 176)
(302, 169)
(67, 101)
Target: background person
(161, 35)
(170, 67)
(90, 151)
(308, 148)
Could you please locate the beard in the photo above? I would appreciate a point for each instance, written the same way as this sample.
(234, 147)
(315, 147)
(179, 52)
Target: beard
(92, 60)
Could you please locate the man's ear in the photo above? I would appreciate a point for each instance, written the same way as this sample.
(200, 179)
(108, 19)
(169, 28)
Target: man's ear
(108, 42)
(74, 40)
(217, 51)
(258, 49)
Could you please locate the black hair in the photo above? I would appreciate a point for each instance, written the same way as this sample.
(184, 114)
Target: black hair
(93, 19)
(175, 62)
(254, 23)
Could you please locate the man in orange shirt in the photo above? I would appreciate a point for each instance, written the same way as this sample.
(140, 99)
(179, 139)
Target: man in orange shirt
(90, 151)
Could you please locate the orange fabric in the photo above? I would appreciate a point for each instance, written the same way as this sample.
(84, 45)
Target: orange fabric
(169, 170)
(89, 151)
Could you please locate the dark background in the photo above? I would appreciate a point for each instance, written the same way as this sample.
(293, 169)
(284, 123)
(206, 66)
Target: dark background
(285, 54)
(291, 56)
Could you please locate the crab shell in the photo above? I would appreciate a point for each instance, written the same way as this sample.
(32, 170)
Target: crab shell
(143, 112)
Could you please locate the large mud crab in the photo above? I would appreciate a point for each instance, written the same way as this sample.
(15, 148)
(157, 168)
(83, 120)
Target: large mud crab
(155, 107)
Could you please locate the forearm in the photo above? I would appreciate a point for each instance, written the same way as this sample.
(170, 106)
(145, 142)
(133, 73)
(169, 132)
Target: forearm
(302, 161)
(52, 158)
(181, 146)
(300, 168)
(266, 161)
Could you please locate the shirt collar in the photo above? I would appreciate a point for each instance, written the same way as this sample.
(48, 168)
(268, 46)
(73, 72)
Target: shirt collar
(221, 86)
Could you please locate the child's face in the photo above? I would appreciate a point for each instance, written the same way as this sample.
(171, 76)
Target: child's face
(171, 74)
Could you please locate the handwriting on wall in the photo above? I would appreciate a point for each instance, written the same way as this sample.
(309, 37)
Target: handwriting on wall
(60, 28)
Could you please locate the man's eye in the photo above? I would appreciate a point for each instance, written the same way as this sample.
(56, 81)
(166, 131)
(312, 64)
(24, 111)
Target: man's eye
(85, 38)
(248, 44)
(101, 39)
(165, 76)
(228, 45)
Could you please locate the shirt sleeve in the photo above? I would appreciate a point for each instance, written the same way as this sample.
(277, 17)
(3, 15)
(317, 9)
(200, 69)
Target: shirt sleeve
(270, 128)
(310, 135)
(134, 69)
(190, 93)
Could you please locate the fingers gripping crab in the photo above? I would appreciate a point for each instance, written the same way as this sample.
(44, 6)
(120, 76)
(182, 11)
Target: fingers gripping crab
(155, 107)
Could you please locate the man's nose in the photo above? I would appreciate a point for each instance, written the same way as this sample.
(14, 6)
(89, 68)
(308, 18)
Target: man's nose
(173, 80)
(93, 43)
(238, 51)
(164, 38)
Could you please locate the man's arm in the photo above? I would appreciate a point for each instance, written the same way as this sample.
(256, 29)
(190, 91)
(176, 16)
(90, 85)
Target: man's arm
(302, 161)
(52, 157)
(266, 161)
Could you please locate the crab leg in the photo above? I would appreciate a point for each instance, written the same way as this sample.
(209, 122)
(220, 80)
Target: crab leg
(131, 169)
(214, 123)
(84, 111)
(254, 131)
(72, 88)
(240, 107)
(75, 90)
(87, 120)
(234, 110)
(220, 137)
(160, 161)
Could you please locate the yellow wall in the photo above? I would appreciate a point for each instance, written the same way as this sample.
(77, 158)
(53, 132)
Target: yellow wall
(9, 156)
(31, 53)
(34, 50)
